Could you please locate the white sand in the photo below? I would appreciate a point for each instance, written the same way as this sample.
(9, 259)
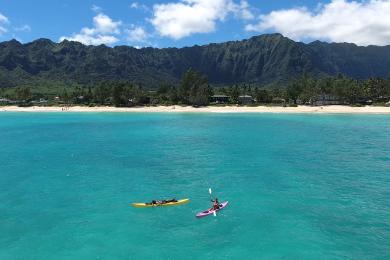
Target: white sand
(211, 109)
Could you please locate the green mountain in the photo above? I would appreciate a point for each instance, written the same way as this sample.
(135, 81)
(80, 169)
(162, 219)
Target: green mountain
(264, 59)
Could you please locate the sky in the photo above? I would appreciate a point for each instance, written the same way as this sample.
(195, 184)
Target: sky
(178, 23)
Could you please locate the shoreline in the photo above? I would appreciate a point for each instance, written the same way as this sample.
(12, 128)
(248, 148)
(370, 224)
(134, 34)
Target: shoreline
(210, 109)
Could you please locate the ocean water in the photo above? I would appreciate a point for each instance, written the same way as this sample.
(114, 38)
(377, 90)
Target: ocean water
(298, 186)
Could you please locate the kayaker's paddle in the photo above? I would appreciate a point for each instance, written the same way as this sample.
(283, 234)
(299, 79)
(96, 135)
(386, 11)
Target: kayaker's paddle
(214, 213)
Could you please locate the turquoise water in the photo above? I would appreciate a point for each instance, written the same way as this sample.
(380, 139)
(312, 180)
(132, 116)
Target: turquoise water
(299, 186)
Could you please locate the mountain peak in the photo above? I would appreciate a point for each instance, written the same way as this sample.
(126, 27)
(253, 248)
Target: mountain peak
(41, 43)
(268, 36)
(263, 59)
(12, 43)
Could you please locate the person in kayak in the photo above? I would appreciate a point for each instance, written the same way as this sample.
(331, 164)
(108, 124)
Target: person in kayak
(172, 200)
(161, 202)
(215, 204)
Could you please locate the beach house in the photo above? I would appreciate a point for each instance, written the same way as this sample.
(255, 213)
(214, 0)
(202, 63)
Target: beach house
(4, 101)
(326, 100)
(220, 99)
(245, 100)
(278, 100)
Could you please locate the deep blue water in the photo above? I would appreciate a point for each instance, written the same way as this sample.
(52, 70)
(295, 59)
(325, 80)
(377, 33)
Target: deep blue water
(299, 186)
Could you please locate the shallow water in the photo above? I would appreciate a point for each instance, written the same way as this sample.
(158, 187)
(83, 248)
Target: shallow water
(299, 186)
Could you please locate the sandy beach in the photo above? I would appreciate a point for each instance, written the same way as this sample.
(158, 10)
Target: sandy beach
(210, 109)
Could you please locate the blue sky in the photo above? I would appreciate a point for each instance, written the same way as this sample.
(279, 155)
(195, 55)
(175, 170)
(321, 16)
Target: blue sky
(177, 23)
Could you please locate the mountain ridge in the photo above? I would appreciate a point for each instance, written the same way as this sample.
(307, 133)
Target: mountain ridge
(261, 60)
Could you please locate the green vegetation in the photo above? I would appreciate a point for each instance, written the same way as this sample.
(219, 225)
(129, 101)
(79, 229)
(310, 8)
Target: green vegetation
(343, 89)
(195, 90)
(267, 60)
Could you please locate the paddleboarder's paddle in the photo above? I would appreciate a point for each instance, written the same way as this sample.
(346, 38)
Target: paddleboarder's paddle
(214, 213)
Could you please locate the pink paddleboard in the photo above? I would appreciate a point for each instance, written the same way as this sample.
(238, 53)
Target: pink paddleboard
(211, 211)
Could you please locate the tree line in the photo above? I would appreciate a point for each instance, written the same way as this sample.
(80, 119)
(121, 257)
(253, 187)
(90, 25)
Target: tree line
(347, 90)
(195, 90)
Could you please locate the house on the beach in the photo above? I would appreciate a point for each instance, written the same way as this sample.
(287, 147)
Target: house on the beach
(41, 101)
(245, 100)
(220, 99)
(326, 100)
(6, 101)
(382, 99)
(278, 100)
(364, 101)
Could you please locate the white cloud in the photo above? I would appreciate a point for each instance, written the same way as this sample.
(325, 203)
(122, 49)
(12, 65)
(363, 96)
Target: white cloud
(136, 5)
(96, 9)
(103, 32)
(92, 40)
(2, 30)
(105, 24)
(186, 17)
(363, 23)
(3, 22)
(23, 28)
(3, 18)
(137, 34)
(244, 11)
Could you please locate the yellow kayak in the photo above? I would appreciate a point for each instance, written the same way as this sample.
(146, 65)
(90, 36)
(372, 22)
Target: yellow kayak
(147, 205)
